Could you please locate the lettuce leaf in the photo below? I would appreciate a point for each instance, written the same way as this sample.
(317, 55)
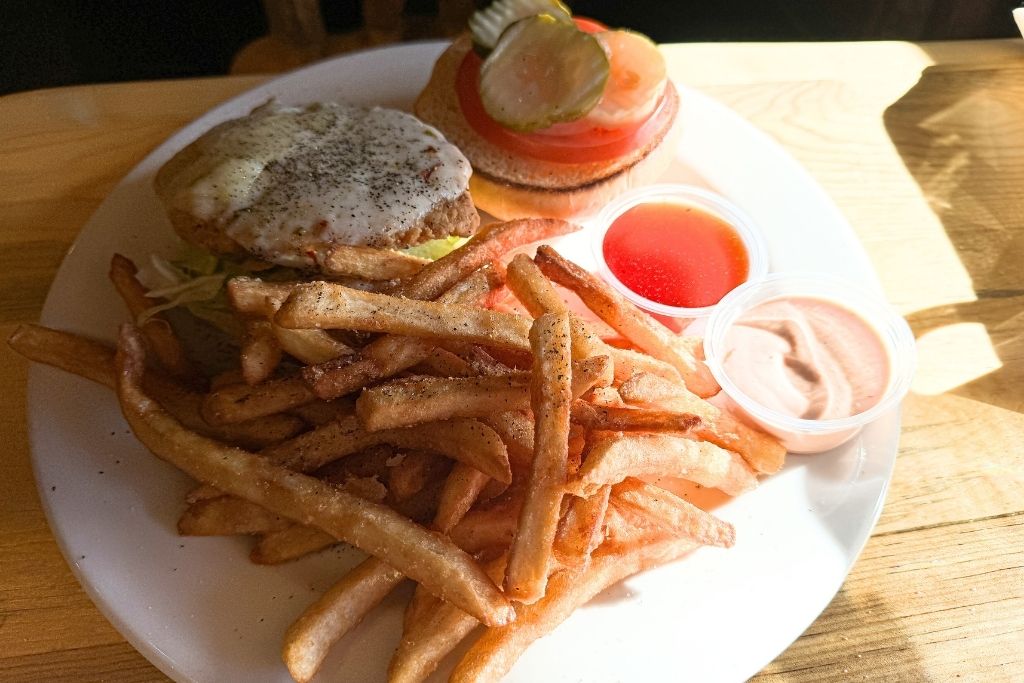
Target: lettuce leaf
(435, 249)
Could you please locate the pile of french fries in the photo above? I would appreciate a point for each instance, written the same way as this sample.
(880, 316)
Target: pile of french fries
(507, 463)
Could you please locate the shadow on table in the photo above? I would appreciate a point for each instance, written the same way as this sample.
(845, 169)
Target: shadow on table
(960, 133)
(833, 648)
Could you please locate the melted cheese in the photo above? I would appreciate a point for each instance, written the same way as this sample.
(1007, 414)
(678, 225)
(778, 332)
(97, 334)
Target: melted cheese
(286, 183)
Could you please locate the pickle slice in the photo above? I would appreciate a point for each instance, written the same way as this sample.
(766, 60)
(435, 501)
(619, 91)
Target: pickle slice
(542, 71)
(486, 25)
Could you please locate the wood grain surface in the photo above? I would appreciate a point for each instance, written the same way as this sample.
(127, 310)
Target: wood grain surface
(922, 148)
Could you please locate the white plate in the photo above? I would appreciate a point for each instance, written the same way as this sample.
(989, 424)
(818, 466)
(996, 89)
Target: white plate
(200, 611)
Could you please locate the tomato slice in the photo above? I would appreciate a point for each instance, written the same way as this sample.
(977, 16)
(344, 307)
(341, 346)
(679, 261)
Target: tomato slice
(574, 142)
(589, 25)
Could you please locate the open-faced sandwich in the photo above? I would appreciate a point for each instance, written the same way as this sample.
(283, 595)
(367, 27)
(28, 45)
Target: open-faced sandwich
(556, 114)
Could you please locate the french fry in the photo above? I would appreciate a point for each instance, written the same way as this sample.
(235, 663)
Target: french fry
(291, 543)
(537, 294)
(429, 558)
(466, 440)
(158, 332)
(95, 361)
(626, 529)
(627, 319)
(683, 519)
(604, 397)
(488, 245)
(614, 456)
(488, 527)
(310, 346)
(240, 402)
(632, 419)
(494, 653)
(461, 489)
(442, 363)
(325, 305)
(382, 358)
(629, 362)
(367, 263)
(254, 297)
(319, 413)
(431, 633)
(551, 396)
(515, 428)
(260, 352)
(227, 515)
(426, 399)
(476, 288)
(408, 477)
(580, 530)
(762, 452)
(69, 352)
(336, 612)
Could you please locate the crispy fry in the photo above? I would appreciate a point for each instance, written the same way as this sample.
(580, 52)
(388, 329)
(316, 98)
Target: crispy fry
(493, 655)
(380, 359)
(442, 363)
(70, 352)
(476, 288)
(683, 519)
(290, 544)
(614, 456)
(240, 402)
(465, 440)
(254, 297)
(604, 397)
(310, 346)
(626, 529)
(461, 489)
(424, 399)
(157, 330)
(488, 527)
(426, 557)
(260, 352)
(367, 263)
(227, 515)
(336, 612)
(537, 294)
(408, 477)
(515, 428)
(580, 530)
(629, 362)
(431, 632)
(761, 451)
(327, 305)
(551, 396)
(632, 419)
(627, 319)
(488, 245)
(319, 413)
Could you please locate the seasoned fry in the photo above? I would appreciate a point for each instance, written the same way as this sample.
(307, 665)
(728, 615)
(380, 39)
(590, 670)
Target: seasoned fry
(158, 332)
(240, 402)
(335, 613)
(761, 451)
(627, 319)
(290, 544)
(683, 519)
(327, 305)
(476, 288)
(252, 296)
(227, 515)
(380, 359)
(408, 477)
(367, 263)
(629, 362)
(615, 456)
(70, 352)
(492, 656)
(461, 489)
(490, 527)
(604, 397)
(488, 245)
(632, 419)
(581, 529)
(465, 440)
(431, 632)
(260, 352)
(551, 396)
(424, 399)
(310, 346)
(442, 363)
(428, 558)
(319, 413)
(516, 431)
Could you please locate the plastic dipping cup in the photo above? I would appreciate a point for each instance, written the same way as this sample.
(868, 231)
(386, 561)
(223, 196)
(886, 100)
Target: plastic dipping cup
(812, 435)
(686, 195)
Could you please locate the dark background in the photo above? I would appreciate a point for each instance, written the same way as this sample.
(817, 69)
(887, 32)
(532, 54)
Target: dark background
(46, 43)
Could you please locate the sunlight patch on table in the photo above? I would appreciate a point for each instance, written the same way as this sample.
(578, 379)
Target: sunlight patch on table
(951, 356)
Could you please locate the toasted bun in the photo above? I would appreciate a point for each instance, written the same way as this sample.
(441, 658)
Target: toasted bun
(509, 186)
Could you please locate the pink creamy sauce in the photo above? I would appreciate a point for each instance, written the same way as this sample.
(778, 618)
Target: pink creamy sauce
(807, 358)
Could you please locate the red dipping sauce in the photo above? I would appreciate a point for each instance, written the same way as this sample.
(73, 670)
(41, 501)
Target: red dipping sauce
(675, 254)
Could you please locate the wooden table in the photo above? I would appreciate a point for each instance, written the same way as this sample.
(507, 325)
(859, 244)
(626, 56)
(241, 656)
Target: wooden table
(922, 147)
